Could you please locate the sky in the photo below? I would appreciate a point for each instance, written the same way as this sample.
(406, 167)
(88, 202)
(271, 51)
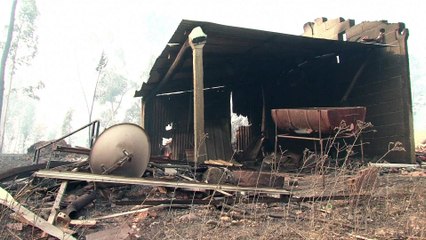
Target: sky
(132, 33)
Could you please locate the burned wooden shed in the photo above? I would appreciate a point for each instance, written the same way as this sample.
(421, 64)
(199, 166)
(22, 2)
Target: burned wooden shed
(329, 66)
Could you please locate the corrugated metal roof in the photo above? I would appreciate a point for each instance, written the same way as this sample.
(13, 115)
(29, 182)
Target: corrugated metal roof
(228, 45)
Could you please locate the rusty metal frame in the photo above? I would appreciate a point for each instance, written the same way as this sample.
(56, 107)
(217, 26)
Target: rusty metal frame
(320, 139)
(94, 132)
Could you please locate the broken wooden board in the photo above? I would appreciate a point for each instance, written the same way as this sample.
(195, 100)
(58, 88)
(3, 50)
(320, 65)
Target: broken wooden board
(83, 223)
(161, 206)
(218, 175)
(194, 180)
(222, 163)
(255, 178)
(153, 182)
(395, 165)
(7, 200)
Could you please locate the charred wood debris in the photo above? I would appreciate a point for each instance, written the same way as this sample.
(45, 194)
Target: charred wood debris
(61, 198)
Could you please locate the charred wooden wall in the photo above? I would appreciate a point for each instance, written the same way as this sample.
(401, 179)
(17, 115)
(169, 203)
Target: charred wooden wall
(161, 110)
(384, 84)
(384, 88)
(244, 138)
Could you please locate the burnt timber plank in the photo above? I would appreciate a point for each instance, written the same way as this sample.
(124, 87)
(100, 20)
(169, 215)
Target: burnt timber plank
(152, 182)
(255, 178)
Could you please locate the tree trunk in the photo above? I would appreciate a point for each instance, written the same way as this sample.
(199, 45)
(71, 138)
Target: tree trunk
(5, 104)
(4, 57)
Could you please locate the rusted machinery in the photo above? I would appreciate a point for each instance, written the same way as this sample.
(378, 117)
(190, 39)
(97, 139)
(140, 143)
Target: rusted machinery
(315, 124)
(316, 120)
(123, 149)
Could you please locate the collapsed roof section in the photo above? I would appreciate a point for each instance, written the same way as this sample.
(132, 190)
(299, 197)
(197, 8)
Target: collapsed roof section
(232, 52)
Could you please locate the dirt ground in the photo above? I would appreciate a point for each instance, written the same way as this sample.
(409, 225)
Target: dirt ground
(396, 209)
(373, 204)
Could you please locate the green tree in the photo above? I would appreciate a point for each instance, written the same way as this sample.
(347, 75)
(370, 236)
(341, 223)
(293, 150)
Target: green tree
(20, 126)
(103, 61)
(4, 59)
(133, 114)
(111, 90)
(27, 124)
(66, 124)
(21, 49)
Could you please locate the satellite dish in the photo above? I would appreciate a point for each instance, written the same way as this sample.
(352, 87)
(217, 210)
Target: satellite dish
(123, 149)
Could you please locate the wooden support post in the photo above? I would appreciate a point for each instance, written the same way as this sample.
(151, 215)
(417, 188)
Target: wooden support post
(276, 144)
(142, 123)
(263, 126)
(197, 40)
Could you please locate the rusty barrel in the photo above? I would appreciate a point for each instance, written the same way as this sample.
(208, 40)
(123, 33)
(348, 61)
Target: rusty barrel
(310, 120)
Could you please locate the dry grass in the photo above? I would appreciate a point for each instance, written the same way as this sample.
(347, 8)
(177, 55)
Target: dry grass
(380, 206)
(393, 208)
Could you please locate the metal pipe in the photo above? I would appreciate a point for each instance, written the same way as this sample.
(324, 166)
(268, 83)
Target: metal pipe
(80, 203)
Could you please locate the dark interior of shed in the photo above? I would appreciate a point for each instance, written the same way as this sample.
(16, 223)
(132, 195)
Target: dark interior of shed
(299, 80)
(319, 81)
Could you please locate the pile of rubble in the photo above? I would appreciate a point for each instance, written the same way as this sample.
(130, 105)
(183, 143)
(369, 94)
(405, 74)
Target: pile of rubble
(421, 153)
(69, 202)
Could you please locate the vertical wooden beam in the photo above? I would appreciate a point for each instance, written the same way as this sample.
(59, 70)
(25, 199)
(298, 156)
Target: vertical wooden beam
(197, 40)
(263, 126)
(142, 122)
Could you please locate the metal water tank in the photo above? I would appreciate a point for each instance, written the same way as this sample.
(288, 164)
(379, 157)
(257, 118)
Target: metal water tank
(123, 149)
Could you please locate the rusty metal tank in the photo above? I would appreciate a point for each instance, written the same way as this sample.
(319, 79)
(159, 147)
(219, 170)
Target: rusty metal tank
(310, 120)
(123, 149)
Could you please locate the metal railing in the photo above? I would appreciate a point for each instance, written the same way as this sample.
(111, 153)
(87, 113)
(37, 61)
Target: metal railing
(93, 134)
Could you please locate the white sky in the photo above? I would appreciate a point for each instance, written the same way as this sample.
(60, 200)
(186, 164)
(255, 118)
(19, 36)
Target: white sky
(73, 33)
